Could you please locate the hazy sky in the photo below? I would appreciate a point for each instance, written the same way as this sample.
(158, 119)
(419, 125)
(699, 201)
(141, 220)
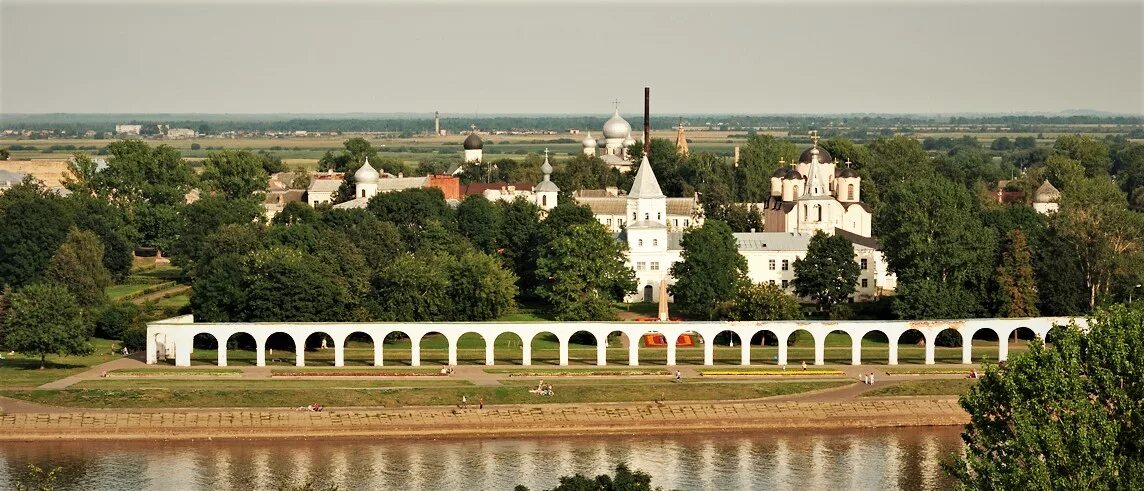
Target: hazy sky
(556, 57)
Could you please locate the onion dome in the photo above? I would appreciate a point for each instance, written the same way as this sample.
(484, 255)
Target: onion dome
(629, 141)
(780, 173)
(588, 141)
(366, 174)
(616, 126)
(473, 142)
(546, 168)
(601, 142)
(848, 172)
(823, 156)
(793, 174)
(1047, 193)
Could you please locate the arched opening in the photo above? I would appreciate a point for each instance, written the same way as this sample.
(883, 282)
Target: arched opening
(508, 349)
(241, 349)
(947, 346)
(875, 348)
(983, 344)
(545, 347)
(800, 347)
(280, 349)
(647, 293)
(912, 347)
(358, 349)
(838, 347)
(618, 344)
(653, 348)
(434, 349)
(1019, 340)
(818, 210)
(582, 348)
(470, 349)
(319, 348)
(205, 349)
(849, 192)
(726, 348)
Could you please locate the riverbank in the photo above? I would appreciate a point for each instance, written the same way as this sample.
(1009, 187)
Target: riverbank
(512, 421)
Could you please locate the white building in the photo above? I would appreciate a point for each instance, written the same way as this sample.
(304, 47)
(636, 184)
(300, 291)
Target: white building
(128, 129)
(654, 242)
(1046, 199)
(474, 147)
(323, 188)
(814, 194)
(612, 148)
(181, 133)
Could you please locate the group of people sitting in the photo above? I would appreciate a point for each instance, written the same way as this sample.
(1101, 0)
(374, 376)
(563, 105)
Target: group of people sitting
(542, 389)
(314, 408)
(973, 374)
(446, 370)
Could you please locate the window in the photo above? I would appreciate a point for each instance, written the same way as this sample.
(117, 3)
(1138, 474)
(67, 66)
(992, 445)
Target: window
(771, 265)
(363, 193)
(785, 283)
(675, 221)
(659, 216)
(786, 265)
(865, 282)
(819, 208)
(640, 266)
(647, 216)
(863, 262)
(620, 222)
(655, 242)
(609, 222)
(771, 282)
(543, 200)
(685, 222)
(633, 215)
(639, 242)
(655, 265)
(849, 192)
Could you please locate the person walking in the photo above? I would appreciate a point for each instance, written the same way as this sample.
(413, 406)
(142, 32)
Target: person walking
(464, 401)
(678, 377)
(804, 365)
(481, 402)
(871, 378)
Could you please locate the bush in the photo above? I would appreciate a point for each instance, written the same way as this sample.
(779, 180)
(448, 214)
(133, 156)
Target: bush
(113, 321)
(135, 337)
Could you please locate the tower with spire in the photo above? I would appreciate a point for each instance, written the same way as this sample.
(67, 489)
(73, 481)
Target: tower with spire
(547, 191)
(680, 140)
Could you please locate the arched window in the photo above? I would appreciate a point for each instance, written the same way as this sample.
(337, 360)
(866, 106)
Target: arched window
(806, 210)
(633, 215)
(659, 216)
(796, 191)
(363, 193)
(655, 242)
(639, 242)
(850, 192)
(544, 200)
(819, 209)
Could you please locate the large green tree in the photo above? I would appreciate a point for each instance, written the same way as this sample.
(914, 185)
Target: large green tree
(1017, 292)
(828, 273)
(44, 319)
(1063, 416)
(414, 288)
(581, 272)
(761, 302)
(480, 288)
(710, 271)
(78, 266)
(235, 174)
(479, 221)
(33, 223)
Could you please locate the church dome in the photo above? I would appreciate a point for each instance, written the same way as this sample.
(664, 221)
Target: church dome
(780, 173)
(546, 168)
(793, 174)
(616, 126)
(366, 174)
(823, 156)
(473, 142)
(588, 141)
(1047, 193)
(629, 141)
(848, 172)
(601, 142)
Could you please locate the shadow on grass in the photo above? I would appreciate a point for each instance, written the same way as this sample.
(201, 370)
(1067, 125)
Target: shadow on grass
(29, 364)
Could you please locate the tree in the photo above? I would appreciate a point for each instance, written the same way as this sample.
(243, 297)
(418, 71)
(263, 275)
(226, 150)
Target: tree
(481, 290)
(137, 173)
(761, 302)
(519, 240)
(412, 288)
(78, 265)
(110, 223)
(479, 221)
(624, 480)
(4, 154)
(711, 270)
(35, 222)
(235, 174)
(204, 217)
(1002, 144)
(1017, 292)
(1063, 416)
(1091, 154)
(929, 298)
(1102, 233)
(828, 272)
(44, 319)
(411, 211)
(581, 272)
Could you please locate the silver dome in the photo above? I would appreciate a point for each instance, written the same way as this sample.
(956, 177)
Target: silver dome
(588, 141)
(366, 174)
(616, 126)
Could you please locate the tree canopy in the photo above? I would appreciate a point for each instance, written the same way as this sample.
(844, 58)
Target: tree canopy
(711, 270)
(43, 319)
(828, 273)
(581, 272)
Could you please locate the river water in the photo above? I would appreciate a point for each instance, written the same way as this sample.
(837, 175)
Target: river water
(822, 460)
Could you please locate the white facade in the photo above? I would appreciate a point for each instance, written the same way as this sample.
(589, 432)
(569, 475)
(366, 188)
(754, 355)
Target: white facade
(612, 148)
(173, 339)
(128, 129)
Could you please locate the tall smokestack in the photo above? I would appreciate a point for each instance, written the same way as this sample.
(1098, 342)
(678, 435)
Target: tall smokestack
(646, 121)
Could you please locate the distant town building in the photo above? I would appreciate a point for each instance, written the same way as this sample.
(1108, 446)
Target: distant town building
(128, 129)
(179, 133)
(323, 187)
(368, 182)
(1046, 199)
(612, 148)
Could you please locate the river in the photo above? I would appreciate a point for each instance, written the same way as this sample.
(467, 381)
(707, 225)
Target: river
(824, 460)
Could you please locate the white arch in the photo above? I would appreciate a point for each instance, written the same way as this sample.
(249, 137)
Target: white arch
(174, 337)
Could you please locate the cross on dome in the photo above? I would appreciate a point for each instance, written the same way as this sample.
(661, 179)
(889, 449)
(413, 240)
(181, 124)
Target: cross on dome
(814, 137)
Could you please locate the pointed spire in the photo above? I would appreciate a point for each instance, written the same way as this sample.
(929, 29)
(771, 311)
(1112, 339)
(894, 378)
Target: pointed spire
(645, 185)
(680, 140)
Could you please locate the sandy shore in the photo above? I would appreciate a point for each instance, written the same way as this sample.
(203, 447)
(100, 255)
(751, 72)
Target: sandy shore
(490, 422)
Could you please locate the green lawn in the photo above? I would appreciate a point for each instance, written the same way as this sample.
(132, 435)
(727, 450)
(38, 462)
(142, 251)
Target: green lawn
(17, 371)
(266, 384)
(174, 372)
(116, 292)
(135, 397)
(952, 387)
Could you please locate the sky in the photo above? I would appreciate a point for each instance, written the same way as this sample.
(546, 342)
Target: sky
(548, 57)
